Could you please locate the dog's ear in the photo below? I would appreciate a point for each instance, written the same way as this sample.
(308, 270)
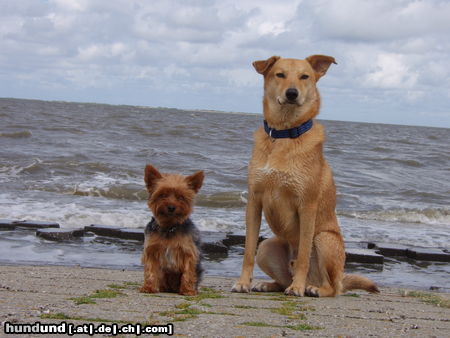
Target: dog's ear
(195, 181)
(151, 176)
(320, 64)
(263, 66)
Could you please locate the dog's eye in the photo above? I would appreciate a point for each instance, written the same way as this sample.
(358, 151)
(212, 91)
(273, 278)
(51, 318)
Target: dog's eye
(163, 196)
(304, 77)
(181, 198)
(280, 75)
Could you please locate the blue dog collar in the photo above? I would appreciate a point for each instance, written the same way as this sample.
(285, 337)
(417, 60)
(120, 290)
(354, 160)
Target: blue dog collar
(288, 133)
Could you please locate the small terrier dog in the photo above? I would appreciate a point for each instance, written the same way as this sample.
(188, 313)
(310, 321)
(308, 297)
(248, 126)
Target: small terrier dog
(172, 255)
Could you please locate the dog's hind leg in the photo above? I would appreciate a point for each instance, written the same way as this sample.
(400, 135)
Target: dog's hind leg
(273, 258)
(326, 277)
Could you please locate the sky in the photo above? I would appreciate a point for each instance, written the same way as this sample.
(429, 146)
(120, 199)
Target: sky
(393, 55)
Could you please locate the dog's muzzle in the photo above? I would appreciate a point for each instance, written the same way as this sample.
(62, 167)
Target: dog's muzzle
(291, 95)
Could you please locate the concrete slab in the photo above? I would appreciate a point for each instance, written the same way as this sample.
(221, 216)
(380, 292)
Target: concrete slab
(391, 250)
(363, 256)
(132, 234)
(7, 224)
(428, 254)
(36, 224)
(60, 234)
(104, 230)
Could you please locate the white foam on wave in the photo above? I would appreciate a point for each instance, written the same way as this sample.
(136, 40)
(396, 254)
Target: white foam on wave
(226, 220)
(102, 181)
(111, 187)
(219, 220)
(431, 216)
(11, 172)
(215, 224)
(244, 196)
(73, 214)
(409, 234)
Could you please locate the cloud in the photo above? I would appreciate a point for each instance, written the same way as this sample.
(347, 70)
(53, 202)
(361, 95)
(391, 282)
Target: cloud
(115, 50)
(391, 71)
(365, 20)
(392, 52)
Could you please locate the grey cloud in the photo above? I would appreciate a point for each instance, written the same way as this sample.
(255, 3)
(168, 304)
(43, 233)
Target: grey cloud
(382, 20)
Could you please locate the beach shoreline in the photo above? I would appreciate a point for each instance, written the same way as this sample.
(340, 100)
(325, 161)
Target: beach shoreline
(77, 295)
(115, 247)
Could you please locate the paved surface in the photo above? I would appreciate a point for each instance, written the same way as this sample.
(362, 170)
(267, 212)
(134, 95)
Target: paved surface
(56, 294)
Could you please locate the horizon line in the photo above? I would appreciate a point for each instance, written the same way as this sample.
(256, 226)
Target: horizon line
(212, 111)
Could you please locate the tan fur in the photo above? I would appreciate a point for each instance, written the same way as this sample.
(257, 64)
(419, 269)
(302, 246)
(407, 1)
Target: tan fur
(290, 182)
(171, 263)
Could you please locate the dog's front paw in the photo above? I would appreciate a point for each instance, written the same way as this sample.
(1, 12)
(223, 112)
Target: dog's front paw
(295, 290)
(148, 289)
(241, 287)
(188, 292)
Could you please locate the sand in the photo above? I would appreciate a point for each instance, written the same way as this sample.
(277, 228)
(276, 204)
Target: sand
(109, 299)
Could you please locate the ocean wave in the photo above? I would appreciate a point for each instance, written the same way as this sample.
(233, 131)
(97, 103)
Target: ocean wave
(127, 189)
(65, 129)
(73, 215)
(404, 141)
(425, 216)
(227, 199)
(381, 150)
(116, 192)
(14, 170)
(17, 134)
(409, 163)
(216, 224)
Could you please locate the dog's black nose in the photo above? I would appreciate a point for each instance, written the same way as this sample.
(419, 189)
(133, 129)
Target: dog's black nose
(171, 208)
(291, 94)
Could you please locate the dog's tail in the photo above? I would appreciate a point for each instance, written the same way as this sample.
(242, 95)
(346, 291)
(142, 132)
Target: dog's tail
(352, 282)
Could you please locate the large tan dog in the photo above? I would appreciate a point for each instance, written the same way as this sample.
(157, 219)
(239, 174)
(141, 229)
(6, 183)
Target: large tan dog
(290, 181)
